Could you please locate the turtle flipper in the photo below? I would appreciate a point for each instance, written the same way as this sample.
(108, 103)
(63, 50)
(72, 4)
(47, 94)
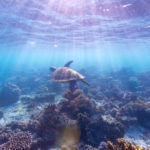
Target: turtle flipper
(85, 82)
(52, 69)
(68, 63)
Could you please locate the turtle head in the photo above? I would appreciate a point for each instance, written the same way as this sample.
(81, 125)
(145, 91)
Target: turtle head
(52, 69)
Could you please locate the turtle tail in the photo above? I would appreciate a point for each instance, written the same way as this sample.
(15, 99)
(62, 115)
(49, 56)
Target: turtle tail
(85, 82)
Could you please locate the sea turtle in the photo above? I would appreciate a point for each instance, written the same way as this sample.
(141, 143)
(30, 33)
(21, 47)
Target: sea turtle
(66, 74)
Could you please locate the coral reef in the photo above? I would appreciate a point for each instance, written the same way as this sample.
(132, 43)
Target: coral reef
(138, 110)
(25, 83)
(76, 103)
(112, 104)
(77, 114)
(100, 130)
(9, 94)
(16, 141)
(17, 126)
(122, 145)
(50, 123)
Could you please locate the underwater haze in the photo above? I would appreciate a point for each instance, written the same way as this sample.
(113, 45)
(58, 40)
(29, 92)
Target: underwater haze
(109, 44)
(105, 34)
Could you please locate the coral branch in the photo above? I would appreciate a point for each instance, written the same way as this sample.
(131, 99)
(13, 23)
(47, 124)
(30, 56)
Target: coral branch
(122, 145)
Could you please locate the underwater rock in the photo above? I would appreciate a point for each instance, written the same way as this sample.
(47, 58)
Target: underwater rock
(9, 94)
(100, 130)
(76, 103)
(16, 141)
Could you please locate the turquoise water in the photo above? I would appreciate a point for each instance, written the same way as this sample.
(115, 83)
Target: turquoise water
(103, 58)
(107, 35)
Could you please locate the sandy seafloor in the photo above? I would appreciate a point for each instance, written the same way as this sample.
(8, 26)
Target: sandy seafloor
(18, 112)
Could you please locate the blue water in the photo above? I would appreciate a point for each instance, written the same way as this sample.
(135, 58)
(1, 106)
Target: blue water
(103, 34)
(103, 58)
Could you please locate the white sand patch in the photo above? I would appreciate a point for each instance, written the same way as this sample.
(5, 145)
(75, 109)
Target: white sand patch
(19, 111)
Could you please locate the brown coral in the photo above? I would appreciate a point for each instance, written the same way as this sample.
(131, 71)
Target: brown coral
(50, 122)
(50, 118)
(122, 145)
(77, 103)
(17, 141)
(72, 95)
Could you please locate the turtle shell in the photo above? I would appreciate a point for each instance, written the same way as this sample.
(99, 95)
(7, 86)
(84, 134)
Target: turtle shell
(66, 74)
